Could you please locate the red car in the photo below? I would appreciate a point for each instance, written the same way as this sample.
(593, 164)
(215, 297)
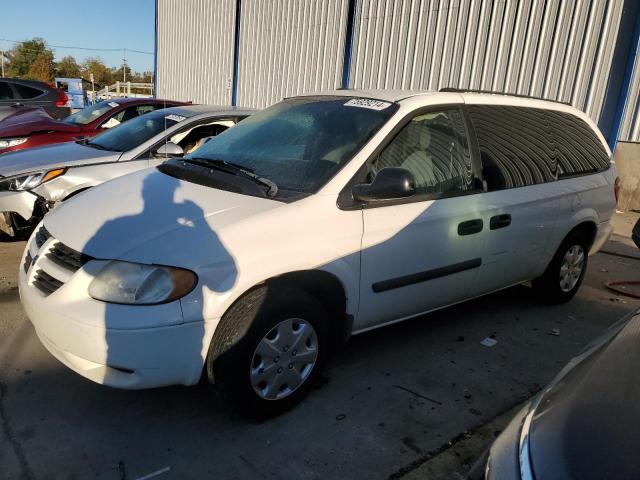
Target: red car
(34, 127)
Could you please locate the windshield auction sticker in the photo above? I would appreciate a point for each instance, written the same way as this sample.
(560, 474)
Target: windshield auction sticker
(113, 104)
(367, 103)
(175, 118)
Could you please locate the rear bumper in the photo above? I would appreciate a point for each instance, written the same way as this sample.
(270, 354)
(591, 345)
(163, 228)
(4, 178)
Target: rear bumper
(605, 229)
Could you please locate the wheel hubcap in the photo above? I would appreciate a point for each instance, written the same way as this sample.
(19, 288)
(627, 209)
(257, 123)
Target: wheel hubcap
(571, 268)
(284, 359)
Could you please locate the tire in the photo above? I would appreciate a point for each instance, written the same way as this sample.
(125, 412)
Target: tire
(269, 317)
(563, 277)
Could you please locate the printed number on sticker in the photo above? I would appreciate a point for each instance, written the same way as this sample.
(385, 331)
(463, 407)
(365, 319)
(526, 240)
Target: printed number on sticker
(367, 103)
(175, 118)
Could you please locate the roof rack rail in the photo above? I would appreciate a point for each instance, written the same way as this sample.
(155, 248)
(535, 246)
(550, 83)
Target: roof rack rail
(518, 95)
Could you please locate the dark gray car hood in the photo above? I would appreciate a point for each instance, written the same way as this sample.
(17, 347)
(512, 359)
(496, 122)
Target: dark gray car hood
(587, 425)
(67, 154)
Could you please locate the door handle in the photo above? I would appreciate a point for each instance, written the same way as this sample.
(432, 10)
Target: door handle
(500, 221)
(470, 227)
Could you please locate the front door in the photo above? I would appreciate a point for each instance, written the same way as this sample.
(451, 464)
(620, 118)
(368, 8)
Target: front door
(423, 252)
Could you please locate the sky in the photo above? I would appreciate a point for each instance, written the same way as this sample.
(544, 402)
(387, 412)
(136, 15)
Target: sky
(103, 24)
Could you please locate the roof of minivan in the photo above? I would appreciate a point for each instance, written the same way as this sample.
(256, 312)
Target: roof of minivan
(469, 97)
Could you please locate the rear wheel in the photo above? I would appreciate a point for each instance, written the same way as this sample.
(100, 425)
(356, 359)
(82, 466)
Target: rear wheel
(565, 273)
(268, 349)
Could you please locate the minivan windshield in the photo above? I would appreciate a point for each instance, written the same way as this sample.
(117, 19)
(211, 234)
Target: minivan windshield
(133, 133)
(89, 114)
(299, 143)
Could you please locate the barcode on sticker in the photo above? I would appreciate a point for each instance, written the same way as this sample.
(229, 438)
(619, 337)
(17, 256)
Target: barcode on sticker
(113, 104)
(367, 103)
(175, 118)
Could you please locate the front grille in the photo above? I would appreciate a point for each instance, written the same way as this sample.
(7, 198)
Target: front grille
(42, 235)
(48, 277)
(27, 262)
(67, 257)
(45, 282)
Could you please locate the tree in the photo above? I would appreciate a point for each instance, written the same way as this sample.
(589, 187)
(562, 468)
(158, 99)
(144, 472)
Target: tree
(24, 55)
(42, 68)
(102, 75)
(68, 67)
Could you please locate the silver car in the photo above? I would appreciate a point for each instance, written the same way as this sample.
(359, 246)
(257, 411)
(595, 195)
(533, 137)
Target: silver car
(35, 180)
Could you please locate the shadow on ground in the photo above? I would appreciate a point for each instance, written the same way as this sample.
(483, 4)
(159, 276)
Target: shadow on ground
(391, 397)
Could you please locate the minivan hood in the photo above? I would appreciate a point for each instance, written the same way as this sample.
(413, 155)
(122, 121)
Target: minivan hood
(151, 217)
(67, 154)
(33, 120)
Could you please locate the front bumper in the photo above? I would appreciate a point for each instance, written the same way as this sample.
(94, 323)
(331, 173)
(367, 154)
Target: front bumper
(22, 203)
(91, 337)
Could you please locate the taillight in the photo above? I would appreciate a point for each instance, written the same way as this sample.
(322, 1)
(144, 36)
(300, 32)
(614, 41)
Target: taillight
(616, 189)
(62, 98)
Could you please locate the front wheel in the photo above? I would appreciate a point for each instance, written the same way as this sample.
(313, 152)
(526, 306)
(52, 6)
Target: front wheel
(268, 349)
(565, 273)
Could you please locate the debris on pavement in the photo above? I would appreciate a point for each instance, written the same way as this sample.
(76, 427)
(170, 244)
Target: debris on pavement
(554, 331)
(154, 474)
(489, 342)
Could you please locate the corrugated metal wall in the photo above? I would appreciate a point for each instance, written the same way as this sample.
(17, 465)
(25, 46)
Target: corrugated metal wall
(560, 50)
(630, 128)
(557, 49)
(289, 47)
(195, 50)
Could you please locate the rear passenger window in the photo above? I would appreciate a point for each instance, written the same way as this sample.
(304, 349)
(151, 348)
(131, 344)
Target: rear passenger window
(525, 146)
(434, 148)
(5, 91)
(26, 93)
(580, 151)
(517, 146)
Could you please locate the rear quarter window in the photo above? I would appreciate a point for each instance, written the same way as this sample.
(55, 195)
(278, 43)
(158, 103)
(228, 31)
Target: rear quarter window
(580, 151)
(26, 92)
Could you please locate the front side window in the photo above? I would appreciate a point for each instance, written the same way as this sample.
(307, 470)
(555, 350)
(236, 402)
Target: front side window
(300, 143)
(134, 133)
(91, 113)
(434, 148)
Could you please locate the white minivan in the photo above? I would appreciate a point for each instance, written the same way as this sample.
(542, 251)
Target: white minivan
(320, 217)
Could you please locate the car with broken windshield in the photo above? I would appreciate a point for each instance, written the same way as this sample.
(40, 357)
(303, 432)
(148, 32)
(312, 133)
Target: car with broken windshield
(34, 181)
(321, 217)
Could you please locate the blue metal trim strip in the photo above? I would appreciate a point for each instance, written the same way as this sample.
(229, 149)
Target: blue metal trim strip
(155, 55)
(348, 44)
(626, 85)
(236, 55)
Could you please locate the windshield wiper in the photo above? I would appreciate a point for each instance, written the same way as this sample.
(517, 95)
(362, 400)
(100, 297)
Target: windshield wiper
(230, 167)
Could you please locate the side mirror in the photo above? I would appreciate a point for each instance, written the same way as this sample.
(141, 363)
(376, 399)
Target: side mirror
(169, 149)
(388, 184)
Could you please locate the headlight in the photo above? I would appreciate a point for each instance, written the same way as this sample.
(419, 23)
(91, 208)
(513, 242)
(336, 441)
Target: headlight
(139, 284)
(28, 181)
(11, 142)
